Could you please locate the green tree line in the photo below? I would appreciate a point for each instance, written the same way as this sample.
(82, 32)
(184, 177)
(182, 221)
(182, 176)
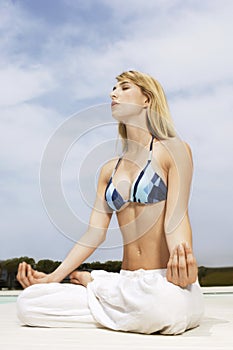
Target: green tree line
(48, 266)
(215, 276)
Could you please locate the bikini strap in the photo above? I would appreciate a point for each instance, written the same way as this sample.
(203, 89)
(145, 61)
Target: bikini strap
(116, 166)
(149, 158)
(151, 148)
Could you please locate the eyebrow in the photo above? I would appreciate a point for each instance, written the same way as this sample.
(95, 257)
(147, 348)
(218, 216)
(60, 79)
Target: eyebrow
(121, 83)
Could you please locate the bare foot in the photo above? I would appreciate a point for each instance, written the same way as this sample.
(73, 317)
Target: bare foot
(81, 277)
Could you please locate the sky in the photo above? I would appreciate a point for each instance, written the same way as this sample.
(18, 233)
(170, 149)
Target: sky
(58, 63)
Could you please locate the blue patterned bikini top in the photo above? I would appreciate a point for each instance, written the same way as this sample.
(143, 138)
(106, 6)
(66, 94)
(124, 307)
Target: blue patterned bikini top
(147, 188)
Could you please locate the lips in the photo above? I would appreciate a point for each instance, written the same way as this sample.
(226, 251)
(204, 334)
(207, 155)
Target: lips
(114, 103)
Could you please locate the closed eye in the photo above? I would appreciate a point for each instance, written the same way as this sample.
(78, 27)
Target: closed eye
(122, 85)
(125, 87)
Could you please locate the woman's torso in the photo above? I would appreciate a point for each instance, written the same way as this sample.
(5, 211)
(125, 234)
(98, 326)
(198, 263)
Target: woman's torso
(142, 229)
(141, 224)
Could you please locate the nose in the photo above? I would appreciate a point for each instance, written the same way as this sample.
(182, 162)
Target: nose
(113, 94)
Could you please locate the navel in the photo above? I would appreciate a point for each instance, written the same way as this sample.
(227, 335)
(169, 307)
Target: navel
(139, 252)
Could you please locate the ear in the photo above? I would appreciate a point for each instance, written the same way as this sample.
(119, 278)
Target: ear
(146, 102)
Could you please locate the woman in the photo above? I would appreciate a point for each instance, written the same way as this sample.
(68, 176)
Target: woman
(148, 187)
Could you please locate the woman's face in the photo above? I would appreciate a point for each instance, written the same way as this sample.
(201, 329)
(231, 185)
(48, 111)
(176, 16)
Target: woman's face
(127, 100)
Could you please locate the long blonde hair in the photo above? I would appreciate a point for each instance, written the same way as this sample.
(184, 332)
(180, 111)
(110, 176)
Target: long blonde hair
(159, 121)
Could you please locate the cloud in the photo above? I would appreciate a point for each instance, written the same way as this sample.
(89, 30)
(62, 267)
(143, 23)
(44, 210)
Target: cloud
(25, 129)
(19, 84)
(54, 64)
(181, 47)
(205, 121)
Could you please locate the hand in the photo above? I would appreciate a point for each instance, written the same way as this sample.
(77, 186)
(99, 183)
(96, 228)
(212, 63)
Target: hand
(27, 276)
(80, 277)
(182, 266)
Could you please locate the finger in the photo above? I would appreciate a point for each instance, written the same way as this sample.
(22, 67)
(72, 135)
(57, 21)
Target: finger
(30, 276)
(22, 270)
(191, 264)
(173, 252)
(174, 266)
(19, 273)
(38, 274)
(182, 268)
(22, 275)
(169, 265)
(187, 248)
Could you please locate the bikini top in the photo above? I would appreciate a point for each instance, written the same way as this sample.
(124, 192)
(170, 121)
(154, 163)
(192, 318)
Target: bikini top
(147, 188)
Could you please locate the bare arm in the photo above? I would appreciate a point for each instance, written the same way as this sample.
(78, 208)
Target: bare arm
(181, 267)
(93, 237)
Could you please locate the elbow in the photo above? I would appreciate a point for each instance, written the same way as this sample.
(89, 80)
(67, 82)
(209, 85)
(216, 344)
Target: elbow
(98, 235)
(94, 237)
(102, 238)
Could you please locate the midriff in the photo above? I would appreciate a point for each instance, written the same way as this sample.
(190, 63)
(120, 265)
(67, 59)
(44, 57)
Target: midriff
(143, 235)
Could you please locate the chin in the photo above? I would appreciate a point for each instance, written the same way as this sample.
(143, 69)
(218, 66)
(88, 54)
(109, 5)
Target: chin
(118, 113)
(123, 112)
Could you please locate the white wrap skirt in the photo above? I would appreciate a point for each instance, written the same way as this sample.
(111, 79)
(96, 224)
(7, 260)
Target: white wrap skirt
(141, 301)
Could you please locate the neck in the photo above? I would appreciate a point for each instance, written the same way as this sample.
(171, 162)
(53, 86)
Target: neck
(138, 137)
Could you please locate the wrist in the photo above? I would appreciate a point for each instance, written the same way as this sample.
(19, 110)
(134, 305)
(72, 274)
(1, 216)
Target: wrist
(54, 277)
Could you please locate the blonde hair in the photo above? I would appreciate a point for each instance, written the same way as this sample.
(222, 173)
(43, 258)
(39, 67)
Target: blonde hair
(159, 121)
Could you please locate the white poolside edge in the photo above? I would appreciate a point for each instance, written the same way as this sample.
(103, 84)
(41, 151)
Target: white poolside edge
(217, 289)
(10, 292)
(205, 290)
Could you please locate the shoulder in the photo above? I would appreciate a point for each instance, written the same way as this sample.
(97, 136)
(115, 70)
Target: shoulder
(171, 150)
(107, 169)
(105, 175)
